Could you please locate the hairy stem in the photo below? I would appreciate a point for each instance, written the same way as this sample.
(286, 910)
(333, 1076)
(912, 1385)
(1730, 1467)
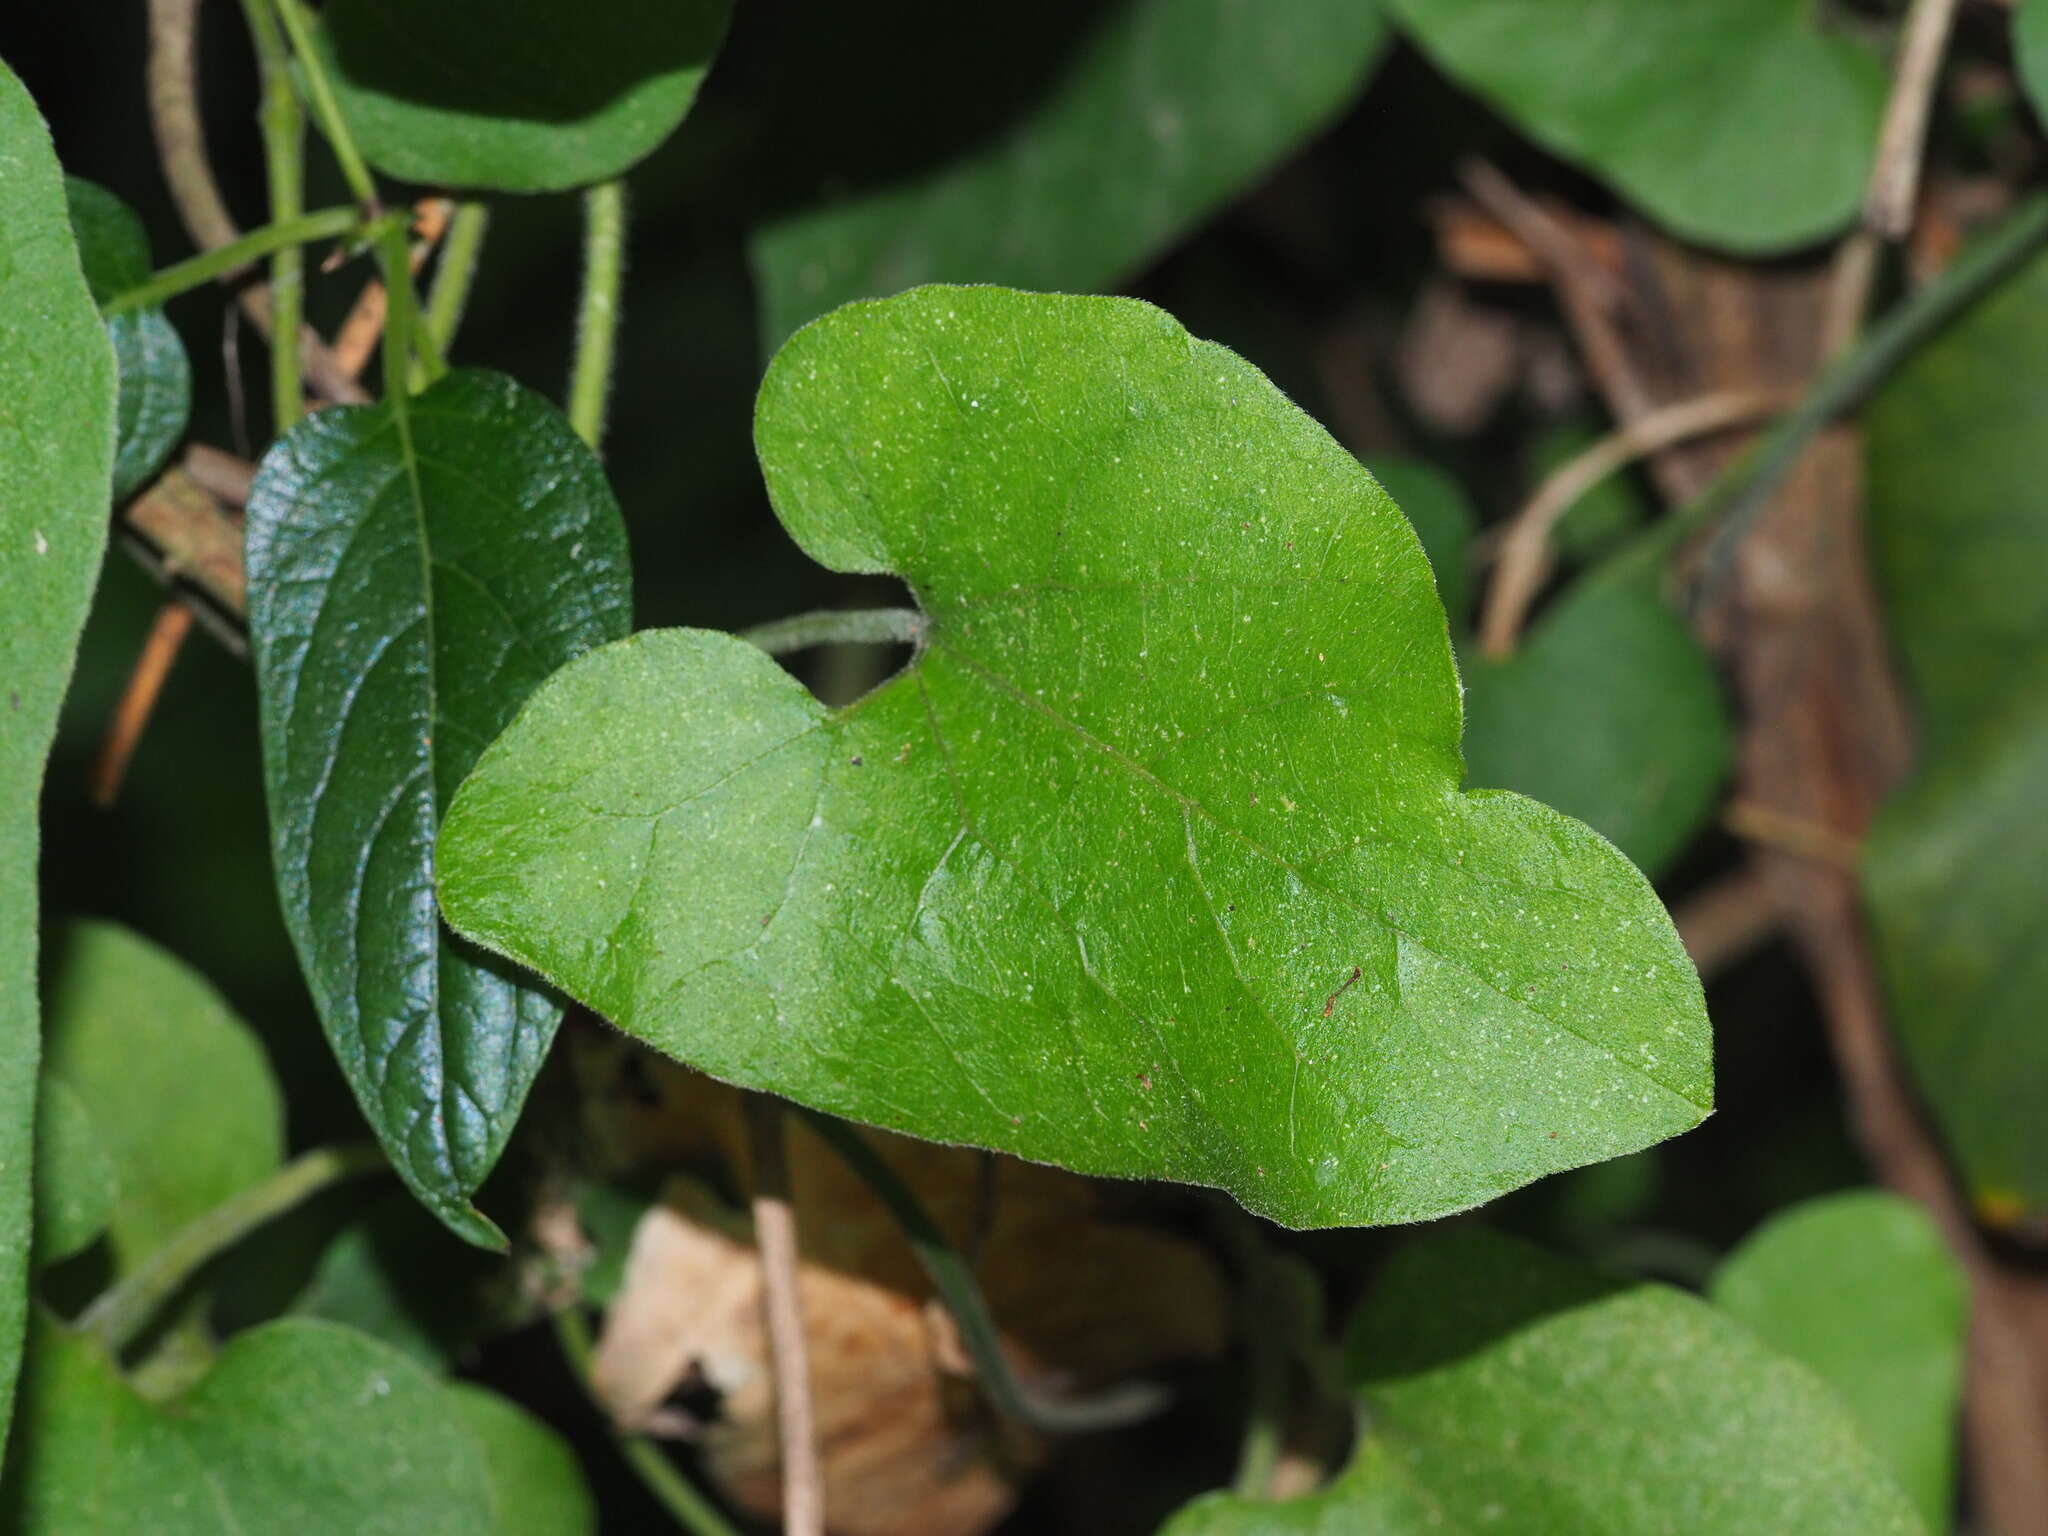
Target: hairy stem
(327, 224)
(320, 92)
(122, 1312)
(284, 134)
(597, 310)
(835, 626)
(453, 278)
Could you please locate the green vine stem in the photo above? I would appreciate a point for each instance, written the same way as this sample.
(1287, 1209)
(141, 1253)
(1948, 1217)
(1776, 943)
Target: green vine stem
(320, 91)
(954, 1280)
(454, 275)
(833, 626)
(597, 310)
(196, 271)
(124, 1310)
(676, 1494)
(401, 313)
(284, 135)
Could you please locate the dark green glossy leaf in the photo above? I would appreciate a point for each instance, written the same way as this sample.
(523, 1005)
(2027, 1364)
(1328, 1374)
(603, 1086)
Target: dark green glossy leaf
(1738, 123)
(1437, 510)
(517, 95)
(156, 379)
(74, 1180)
(536, 1484)
(1611, 712)
(1862, 1288)
(1171, 109)
(1956, 870)
(1507, 1390)
(414, 570)
(1154, 863)
(299, 1427)
(56, 456)
(125, 1018)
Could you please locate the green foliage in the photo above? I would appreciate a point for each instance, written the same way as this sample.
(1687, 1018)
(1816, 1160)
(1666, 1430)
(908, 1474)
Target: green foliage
(1437, 510)
(384, 1275)
(1862, 1288)
(1171, 107)
(1506, 1389)
(125, 1020)
(1154, 863)
(2030, 51)
(57, 394)
(1954, 871)
(1610, 712)
(415, 569)
(536, 1487)
(300, 1426)
(1736, 123)
(517, 95)
(156, 379)
(74, 1184)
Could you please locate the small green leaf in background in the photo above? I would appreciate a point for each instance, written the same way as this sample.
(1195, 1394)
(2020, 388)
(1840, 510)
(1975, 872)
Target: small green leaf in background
(1152, 864)
(1602, 517)
(1437, 510)
(156, 378)
(1171, 109)
(126, 1020)
(57, 403)
(1742, 124)
(1956, 868)
(1862, 1288)
(1505, 1389)
(74, 1178)
(1609, 711)
(517, 95)
(537, 1487)
(384, 1275)
(299, 1427)
(2030, 52)
(415, 569)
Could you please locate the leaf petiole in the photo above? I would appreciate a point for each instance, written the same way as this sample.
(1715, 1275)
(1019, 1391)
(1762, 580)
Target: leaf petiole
(197, 271)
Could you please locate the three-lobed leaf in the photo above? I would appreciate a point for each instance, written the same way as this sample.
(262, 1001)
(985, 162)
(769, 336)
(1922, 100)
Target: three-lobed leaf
(1956, 867)
(57, 403)
(415, 569)
(1168, 111)
(126, 1019)
(1736, 123)
(156, 377)
(1154, 863)
(1505, 1389)
(517, 95)
(1862, 1288)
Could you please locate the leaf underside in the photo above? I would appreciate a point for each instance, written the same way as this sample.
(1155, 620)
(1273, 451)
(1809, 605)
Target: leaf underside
(1153, 864)
(57, 401)
(414, 572)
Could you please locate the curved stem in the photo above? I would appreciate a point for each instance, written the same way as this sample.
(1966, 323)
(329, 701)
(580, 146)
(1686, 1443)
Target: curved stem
(674, 1492)
(453, 277)
(313, 69)
(123, 1311)
(954, 1281)
(597, 311)
(327, 224)
(835, 626)
(803, 1475)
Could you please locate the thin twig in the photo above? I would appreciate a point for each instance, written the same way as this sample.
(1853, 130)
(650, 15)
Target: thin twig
(1894, 187)
(1725, 921)
(1524, 551)
(597, 311)
(123, 1311)
(453, 276)
(1774, 829)
(836, 626)
(803, 1476)
(138, 700)
(953, 1278)
(356, 342)
(192, 538)
(674, 1492)
(194, 271)
(222, 475)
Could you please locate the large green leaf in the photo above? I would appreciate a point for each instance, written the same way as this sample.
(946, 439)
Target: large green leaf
(1507, 1390)
(301, 1427)
(125, 1018)
(1956, 871)
(73, 1177)
(1154, 863)
(1862, 1288)
(1172, 108)
(156, 378)
(1611, 712)
(517, 95)
(57, 391)
(536, 1484)
(1738, 123)
(415, 568)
